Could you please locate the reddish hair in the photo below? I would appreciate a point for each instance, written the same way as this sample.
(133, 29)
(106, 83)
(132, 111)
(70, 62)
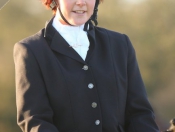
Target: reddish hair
(48, 2)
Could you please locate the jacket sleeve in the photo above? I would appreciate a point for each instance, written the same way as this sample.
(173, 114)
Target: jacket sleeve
(139, 114)
(34, 113)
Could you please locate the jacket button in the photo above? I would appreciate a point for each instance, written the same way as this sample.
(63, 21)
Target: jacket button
(97, 122)
(90, 86)
(85, 67)
(94, 105)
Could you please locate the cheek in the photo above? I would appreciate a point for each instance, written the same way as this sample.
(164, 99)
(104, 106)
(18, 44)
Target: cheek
(65, 5)
(93, 3)
(66, 9)
(91, 6)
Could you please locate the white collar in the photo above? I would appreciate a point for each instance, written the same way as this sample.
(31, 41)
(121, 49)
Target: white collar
(75, 36)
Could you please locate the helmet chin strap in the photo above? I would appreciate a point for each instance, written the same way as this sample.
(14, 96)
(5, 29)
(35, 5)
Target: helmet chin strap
(64, 17)
(93, 17)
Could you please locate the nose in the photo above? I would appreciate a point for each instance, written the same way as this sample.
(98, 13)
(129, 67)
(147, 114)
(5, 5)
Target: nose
(81, 3)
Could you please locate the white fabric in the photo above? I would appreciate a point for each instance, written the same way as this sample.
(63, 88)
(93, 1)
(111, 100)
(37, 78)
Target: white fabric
(75, 36)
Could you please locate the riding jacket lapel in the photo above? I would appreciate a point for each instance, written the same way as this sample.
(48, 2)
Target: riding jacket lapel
(92, 40)
(59, 44)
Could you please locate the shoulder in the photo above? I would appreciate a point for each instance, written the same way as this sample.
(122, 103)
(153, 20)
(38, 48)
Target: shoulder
(30, 45)
(33, 41)
(114, 38)
(110, 33)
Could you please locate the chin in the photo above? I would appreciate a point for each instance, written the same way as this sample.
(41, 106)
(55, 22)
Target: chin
(78, 23)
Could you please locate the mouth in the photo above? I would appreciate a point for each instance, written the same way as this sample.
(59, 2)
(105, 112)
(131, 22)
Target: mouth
(79, 12)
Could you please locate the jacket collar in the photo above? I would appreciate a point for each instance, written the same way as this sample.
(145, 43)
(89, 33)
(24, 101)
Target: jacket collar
(58, 43)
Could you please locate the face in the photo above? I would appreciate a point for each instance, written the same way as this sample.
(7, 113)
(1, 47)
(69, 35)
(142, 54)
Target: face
(76, 12)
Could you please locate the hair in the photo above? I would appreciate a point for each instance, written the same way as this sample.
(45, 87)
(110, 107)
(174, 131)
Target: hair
(48, 2)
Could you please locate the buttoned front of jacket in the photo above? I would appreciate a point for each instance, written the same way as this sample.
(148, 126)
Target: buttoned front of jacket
(104, 93)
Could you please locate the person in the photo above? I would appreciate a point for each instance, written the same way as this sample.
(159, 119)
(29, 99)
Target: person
(73, 76)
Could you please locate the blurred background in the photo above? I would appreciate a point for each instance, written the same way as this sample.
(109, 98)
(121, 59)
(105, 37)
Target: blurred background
(150, 24)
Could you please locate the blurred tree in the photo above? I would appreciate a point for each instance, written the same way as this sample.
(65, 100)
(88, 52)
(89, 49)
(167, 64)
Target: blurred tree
(149, 24)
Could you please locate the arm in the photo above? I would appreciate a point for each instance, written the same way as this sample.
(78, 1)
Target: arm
(139, 114)
(34, 113)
